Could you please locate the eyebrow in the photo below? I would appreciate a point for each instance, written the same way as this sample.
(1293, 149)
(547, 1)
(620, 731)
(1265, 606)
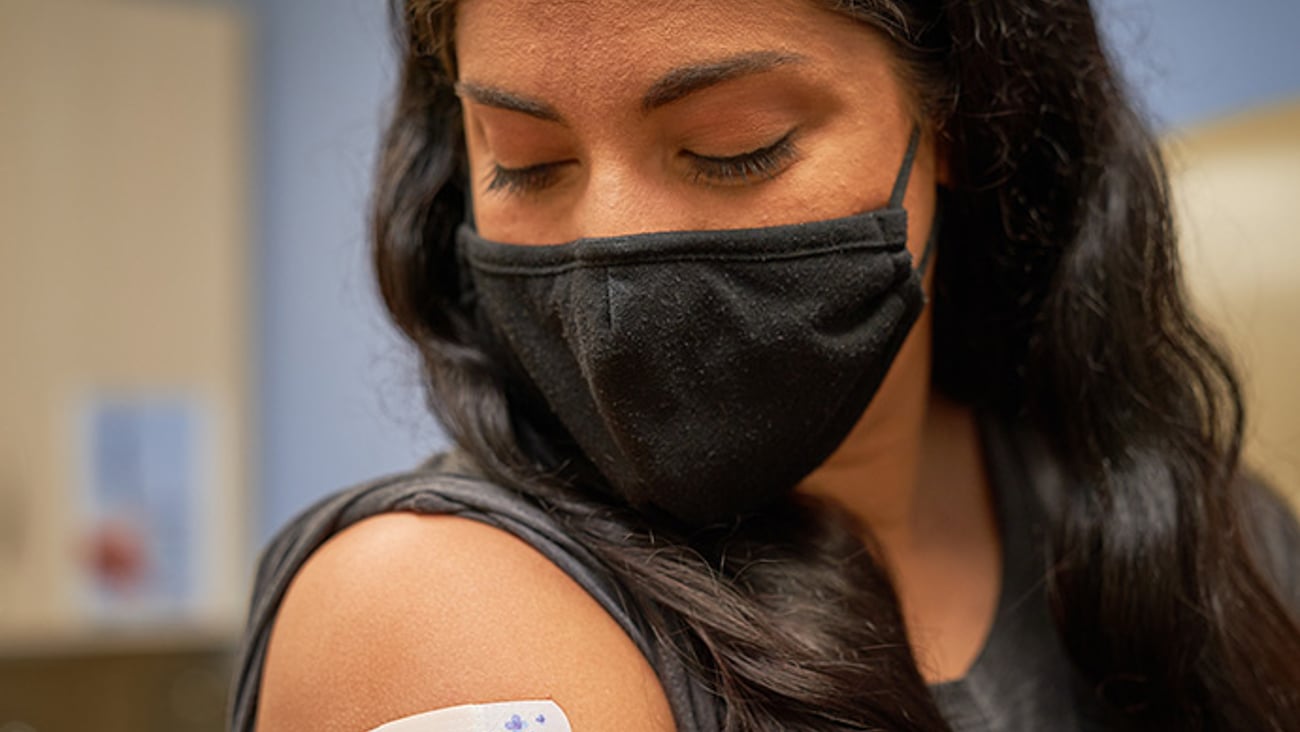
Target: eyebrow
(687, 80)
(674, 85)
(493, 97)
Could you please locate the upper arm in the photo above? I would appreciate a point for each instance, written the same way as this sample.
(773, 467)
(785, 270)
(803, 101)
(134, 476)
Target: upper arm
(401, 614)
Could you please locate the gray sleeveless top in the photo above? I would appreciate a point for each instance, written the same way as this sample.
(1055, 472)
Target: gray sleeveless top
(1021, 679)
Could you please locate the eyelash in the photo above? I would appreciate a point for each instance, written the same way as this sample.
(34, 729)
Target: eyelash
(761, 164)
(519, 181)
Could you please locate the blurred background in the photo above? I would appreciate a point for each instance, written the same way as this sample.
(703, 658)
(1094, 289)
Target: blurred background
(191, 349)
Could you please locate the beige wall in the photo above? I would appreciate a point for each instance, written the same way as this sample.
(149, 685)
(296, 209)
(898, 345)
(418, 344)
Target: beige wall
(1237, 193)
(123, 268)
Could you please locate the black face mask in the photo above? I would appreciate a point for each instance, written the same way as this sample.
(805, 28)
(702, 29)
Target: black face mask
(705, 373)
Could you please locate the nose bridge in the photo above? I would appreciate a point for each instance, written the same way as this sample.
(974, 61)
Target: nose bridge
(626, 197)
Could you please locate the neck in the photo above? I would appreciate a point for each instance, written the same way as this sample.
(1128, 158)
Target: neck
(911, 472)
(875, 472)
(909, 478)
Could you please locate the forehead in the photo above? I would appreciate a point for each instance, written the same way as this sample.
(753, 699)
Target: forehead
(607, 18)
(596, 49)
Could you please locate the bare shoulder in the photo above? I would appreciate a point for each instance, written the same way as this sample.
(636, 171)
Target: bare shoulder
(402, 614)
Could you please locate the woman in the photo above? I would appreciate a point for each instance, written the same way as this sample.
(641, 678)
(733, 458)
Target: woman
(856, 390)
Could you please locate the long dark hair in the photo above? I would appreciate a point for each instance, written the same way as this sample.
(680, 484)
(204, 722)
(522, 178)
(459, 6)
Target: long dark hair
(1058, 302)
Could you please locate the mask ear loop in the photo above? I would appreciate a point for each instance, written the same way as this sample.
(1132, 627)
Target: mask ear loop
(905, 172)
(935, 223)
(900, 188)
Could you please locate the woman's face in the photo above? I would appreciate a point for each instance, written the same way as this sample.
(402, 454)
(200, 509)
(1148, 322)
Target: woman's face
(590, 118)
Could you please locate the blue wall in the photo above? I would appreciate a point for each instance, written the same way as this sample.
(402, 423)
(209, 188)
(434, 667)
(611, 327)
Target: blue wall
(338, 398)
(1193, 60)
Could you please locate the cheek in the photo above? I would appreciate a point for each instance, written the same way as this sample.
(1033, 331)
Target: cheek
(834, 181)
(857, 172)
(475, 149)
(477, 173)
(847, 165)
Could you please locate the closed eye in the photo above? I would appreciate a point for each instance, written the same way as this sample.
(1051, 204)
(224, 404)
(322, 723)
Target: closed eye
(520, 181)
(757, 165)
